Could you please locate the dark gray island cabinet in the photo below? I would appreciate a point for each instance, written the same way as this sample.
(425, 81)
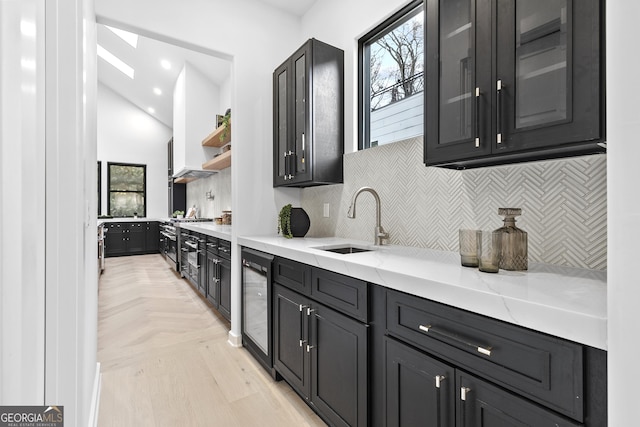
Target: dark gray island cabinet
(366, 355)
(131, 238)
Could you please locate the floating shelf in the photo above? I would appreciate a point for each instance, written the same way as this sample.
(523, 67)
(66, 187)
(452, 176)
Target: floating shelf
(183, 180)
(220, 162)
(213, 139)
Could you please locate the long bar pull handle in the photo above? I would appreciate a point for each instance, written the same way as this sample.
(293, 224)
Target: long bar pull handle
(439, 379)
(477, 127)
(303, 147)
(464, 391)
(480, 349)
(499, 102)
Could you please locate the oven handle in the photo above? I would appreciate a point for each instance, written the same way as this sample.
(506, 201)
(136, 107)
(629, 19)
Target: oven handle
(191, 245)
(168, 236)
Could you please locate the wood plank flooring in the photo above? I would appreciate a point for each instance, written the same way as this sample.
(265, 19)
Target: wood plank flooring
(165, 359)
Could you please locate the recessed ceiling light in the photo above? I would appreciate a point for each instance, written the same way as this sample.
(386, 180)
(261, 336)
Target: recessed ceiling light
(157, 91)
(165, 64)
(151, 110)
(115, 61)
(128, 37)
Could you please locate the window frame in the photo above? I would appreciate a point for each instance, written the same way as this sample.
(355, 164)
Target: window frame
(364, 75)
(144, 191)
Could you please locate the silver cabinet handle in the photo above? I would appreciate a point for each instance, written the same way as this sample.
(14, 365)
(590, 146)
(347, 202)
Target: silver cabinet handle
(439, 379)
(477, 126)
(309, 347)
(302, 307)
(310, 310)
(302, 342)
(499, 102)
(480, 349)
(464, 391)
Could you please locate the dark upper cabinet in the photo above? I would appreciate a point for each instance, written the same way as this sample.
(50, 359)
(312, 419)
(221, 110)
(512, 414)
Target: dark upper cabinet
(511, 81)
(308, 117)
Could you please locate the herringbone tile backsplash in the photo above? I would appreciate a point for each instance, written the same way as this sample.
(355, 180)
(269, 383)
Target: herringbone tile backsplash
(564, 203)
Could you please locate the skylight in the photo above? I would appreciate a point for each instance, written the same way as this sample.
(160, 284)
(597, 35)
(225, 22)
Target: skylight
(128, 37)
(115, 61)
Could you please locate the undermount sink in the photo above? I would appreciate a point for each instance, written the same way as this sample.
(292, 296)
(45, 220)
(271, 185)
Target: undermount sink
(346, 249)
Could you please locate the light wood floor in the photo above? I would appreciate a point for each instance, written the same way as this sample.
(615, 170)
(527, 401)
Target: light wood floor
(165, 359)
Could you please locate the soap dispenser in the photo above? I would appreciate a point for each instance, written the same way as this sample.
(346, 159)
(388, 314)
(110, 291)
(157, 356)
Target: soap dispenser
(514, 241)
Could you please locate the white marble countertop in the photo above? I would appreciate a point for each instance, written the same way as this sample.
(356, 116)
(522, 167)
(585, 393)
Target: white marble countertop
(209, 228)
(129, 219)
(567, 302)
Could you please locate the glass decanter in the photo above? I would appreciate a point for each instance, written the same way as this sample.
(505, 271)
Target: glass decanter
(514, 242)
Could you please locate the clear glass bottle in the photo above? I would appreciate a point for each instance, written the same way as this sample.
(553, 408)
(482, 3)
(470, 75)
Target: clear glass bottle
(514, 242)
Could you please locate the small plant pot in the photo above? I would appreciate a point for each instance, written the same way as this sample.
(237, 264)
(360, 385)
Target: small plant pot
(300, 222)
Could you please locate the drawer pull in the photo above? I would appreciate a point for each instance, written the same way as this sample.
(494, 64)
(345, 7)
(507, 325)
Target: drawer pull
(309, 347)
(439, 379)
(482, 350)
(302, 342)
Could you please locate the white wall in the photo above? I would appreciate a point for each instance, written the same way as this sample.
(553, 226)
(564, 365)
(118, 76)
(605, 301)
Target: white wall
(623, 128)
(22, 207)
(196, 104)
(129, 135)
(349, 20)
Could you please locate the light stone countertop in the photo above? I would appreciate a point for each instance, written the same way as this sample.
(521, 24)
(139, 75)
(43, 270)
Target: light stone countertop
(209, 228)
(566, 302)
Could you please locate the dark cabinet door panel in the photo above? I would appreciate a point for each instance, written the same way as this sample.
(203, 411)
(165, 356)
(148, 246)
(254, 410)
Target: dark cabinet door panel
(343, 293)
(339, 367)
(225, 288)
(213, 283)
(290, 338)
(419, 390)
(481, 404)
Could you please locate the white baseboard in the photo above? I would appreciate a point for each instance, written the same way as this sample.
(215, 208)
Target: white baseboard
(95, 398)
(235, 340)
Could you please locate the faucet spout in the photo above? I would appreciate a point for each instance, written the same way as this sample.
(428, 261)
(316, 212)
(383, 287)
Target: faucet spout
(379, 233)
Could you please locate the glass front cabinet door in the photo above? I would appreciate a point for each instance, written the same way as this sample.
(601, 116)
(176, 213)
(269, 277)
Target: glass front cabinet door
(512, 80)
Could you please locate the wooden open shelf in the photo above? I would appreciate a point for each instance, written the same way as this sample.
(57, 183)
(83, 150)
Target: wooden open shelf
(183, 180)
(213, 139)
(220, 162)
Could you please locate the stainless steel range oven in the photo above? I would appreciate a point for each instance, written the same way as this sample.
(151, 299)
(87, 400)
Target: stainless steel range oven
(170, 244)
(256, 306)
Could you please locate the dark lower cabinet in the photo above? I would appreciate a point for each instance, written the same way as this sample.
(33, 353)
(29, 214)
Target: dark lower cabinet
(213, 283)
(131, 238)
(420, 389)
(217, 288)
(481, 404)
(224, 271)
(290, 336)
(338, 353)
(323, 355)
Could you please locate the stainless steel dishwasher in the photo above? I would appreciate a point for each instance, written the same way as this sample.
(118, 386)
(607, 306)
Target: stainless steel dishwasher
(256, 306)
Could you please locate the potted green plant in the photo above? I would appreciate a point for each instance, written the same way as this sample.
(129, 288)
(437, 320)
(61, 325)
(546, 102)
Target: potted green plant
(284, 221)
(178, 214)
(226, 123)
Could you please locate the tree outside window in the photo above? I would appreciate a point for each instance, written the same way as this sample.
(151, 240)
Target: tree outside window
(127, 190)
(391, 72)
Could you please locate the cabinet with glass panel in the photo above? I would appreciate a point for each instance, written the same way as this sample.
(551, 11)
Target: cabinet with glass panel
(511, 81)
(308, 117)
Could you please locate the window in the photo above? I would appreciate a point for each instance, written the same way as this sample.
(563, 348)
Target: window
(127, 190)
(391, 79)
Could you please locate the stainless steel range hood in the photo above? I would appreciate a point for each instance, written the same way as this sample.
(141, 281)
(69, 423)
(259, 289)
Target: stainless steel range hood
(193, 173)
